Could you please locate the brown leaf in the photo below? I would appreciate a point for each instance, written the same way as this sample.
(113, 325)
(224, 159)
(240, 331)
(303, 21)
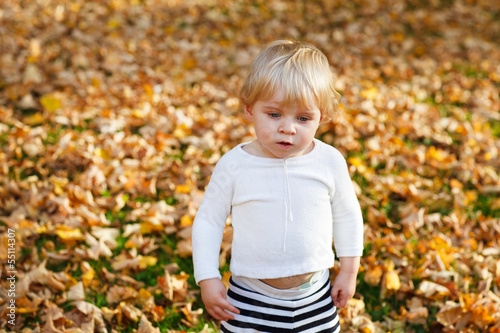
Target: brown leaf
(117, 294)
(93, 311)
(76, 293)
(130, 311)
(174, 287)
(373, 275)
(450, 314)
(432, 290)
(145, 326)
(192, 317)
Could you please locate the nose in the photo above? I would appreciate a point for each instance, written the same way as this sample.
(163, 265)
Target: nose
(287, 127)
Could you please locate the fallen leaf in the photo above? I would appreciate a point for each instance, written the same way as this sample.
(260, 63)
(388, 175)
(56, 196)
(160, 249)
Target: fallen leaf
(373, 275)
(431, 289)
(392, 280)
(76, 293)
(130, 311)
(192, 317)
(145, 326)
(117, 294)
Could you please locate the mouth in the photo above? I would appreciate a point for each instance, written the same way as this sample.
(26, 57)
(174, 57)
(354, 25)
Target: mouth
(285, 145)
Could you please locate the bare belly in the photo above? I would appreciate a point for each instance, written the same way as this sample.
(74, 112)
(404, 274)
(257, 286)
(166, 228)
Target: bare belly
(289, 281)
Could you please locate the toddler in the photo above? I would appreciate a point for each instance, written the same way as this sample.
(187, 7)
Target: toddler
(290, 196)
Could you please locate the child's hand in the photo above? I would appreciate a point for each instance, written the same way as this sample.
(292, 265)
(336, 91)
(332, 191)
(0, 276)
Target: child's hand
(343, 289)
(213, 294)
(344, 285)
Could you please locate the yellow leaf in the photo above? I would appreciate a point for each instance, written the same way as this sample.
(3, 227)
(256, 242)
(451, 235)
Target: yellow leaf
(494, 77)
(34, 120)
(455, 184)
(392, 281)
(50, 103)
(138, 113)
(148, 227)
(397, 141)
(370, 93)
(470, 196)
(182, 131)
(148, 89)
(398, 36)
(186, 221)
(183, 188)
(460, 129)
(190, 63)
(252, 40)
(373, 276)
(113, 23)
(145, 261)
(41, 229)
(225, 279)
(356, 161)
(59, 184)
(446, 258)
(69, 234)
(143, 296)
(99, 152)
(75, 7)
(88, 276)
(389, 265)
(439, 243)
(95, 82)
(169, 30)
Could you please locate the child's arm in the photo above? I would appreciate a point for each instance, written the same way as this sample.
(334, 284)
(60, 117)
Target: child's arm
(347, 232)
(213, 294)
(344, 285)
(208, 228)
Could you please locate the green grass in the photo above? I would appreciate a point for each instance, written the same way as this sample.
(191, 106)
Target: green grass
(495, 128)
(97, 298)
(484, 205)
(381, 308)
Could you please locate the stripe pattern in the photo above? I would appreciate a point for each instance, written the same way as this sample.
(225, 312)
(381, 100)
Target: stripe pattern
(314, 313)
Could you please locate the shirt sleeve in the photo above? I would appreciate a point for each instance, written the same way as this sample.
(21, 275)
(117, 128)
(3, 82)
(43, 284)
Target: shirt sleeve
(210, 221)
(346, 212)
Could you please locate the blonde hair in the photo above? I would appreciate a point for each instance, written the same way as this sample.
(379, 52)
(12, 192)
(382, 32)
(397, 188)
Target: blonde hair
(299, 69)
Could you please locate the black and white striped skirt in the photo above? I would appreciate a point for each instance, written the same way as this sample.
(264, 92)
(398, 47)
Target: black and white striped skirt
(267, 309)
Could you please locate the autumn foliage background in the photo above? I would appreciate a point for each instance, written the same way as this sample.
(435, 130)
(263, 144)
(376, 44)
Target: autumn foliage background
(113, 114)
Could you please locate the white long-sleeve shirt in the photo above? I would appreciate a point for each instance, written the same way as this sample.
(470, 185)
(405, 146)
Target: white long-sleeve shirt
(284, 214)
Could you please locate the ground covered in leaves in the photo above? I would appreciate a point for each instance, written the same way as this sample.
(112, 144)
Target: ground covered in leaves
(113, 114)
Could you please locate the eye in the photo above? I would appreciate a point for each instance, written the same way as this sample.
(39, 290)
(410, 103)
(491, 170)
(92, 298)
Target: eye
(303, 119)
(274, 114)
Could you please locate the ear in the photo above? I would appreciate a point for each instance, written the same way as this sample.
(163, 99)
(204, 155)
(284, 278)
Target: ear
(249, 113)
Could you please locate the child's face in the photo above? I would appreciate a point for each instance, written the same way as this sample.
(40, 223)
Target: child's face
(283, 130)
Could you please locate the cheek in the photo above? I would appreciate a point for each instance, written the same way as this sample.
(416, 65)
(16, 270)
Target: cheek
(311, 130)
(265, 133)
